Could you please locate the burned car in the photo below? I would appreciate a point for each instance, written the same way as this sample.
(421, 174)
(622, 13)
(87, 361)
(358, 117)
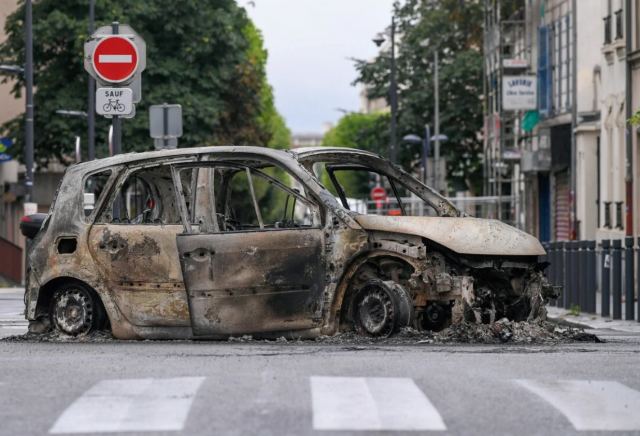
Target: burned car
(214, 242)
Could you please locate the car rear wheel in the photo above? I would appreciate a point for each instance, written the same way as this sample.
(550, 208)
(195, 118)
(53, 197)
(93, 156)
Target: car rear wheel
(381, 308)
(76, 310)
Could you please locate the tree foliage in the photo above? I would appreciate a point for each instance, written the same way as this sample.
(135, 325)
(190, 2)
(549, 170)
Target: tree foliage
(362, 131)
(454, 29)
(206, 56)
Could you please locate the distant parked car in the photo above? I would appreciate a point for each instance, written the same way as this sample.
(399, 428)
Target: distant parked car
(219, 241)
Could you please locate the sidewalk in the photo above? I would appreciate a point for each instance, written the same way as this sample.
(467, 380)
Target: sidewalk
(590, 321)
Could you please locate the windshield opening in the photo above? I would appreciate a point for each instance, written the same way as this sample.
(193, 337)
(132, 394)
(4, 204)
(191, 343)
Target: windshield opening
(366, 190)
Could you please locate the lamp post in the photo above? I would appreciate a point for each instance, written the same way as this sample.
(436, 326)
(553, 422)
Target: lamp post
(393, 91)
(436, 107)
(28, 78)
(426, 148)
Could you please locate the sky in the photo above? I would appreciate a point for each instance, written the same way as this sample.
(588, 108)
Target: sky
(310, 43)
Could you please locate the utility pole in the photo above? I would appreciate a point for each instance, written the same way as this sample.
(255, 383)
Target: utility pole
(436, 93)
(28, 77)
(91, 100)
(394, 95)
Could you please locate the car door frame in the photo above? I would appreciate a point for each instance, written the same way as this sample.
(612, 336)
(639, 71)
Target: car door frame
(219, 309)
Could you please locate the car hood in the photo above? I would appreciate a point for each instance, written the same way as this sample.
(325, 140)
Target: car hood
(461, 235)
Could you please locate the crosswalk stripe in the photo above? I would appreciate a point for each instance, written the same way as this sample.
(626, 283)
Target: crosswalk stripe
(147, 404)
(371, 403)
(589, 404)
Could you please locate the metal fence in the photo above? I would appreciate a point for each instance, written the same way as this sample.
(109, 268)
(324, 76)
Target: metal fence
(597, 278)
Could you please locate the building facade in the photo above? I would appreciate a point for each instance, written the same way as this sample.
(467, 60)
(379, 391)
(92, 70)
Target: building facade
(575, 157)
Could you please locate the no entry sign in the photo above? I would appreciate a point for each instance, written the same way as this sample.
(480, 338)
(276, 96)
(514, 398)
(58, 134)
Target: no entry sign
(378, 194)
(115, 59)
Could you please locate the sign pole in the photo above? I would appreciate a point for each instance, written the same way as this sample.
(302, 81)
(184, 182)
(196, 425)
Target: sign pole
(116, 120)
(91, 109)
(165, 124)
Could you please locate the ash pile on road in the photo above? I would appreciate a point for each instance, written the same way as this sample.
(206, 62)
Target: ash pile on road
(501, 332)
(56, 336)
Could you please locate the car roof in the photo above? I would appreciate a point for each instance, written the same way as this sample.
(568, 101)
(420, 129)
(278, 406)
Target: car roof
(127, 158)
(300, 153)
(306, 152)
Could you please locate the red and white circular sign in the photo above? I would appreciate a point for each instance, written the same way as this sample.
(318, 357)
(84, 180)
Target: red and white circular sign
(378, 194)
(115, 59)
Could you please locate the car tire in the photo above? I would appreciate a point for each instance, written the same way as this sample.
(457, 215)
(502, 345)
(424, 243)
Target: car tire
(381, 308)
(76, 310)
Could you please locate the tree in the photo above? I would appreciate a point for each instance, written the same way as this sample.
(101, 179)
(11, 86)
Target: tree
(362, 131)
(207, 56)
(454, 28)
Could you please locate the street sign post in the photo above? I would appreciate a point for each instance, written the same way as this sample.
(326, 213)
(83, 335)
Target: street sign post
(165, 125)
(115, 56)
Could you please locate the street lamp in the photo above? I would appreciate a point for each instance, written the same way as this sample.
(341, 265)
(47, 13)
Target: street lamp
(12, 69)
(426, 148)
(72, 113)
(393, 91)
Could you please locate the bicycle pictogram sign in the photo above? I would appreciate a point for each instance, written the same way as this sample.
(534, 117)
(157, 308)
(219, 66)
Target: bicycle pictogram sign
(114, 101)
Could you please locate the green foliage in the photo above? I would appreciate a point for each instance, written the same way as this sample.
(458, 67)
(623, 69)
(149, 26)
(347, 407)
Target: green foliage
(574, 310)
(206, 56)
(363, 131)
(635, 119)
(454, 28)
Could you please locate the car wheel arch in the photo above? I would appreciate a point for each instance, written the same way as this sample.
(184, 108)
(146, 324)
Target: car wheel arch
(45, 295)
(340, 306)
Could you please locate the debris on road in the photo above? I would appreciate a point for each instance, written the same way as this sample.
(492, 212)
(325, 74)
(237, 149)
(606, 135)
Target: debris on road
(502, 331)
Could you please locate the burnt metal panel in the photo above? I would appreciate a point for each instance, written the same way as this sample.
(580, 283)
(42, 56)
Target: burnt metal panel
(253, 282)
(140, 263)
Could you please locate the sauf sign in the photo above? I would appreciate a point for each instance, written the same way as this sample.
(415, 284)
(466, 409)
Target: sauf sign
(519, 93)
(116, 56)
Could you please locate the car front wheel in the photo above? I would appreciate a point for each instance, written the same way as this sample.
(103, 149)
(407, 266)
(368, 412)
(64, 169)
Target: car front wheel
(381, 308)
(76, 310)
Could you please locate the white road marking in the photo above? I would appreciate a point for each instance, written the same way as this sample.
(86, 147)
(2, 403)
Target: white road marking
(359, 403)
(589, 404)
(114, 59)
(131, 405)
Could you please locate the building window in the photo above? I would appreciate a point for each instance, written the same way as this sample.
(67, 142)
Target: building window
(619, 223)
(607, 214)
(607, 30)
(619, 25)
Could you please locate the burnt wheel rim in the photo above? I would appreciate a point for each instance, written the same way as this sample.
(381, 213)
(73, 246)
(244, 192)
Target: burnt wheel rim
(375, 312)
(72, 311)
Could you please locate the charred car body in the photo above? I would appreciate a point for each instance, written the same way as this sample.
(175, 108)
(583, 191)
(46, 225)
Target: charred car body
(220, 241)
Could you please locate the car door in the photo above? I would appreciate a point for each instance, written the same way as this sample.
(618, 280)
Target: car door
(256, 267)
(134, 247)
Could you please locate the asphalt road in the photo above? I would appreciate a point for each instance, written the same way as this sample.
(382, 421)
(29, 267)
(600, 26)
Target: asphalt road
(309, 388)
